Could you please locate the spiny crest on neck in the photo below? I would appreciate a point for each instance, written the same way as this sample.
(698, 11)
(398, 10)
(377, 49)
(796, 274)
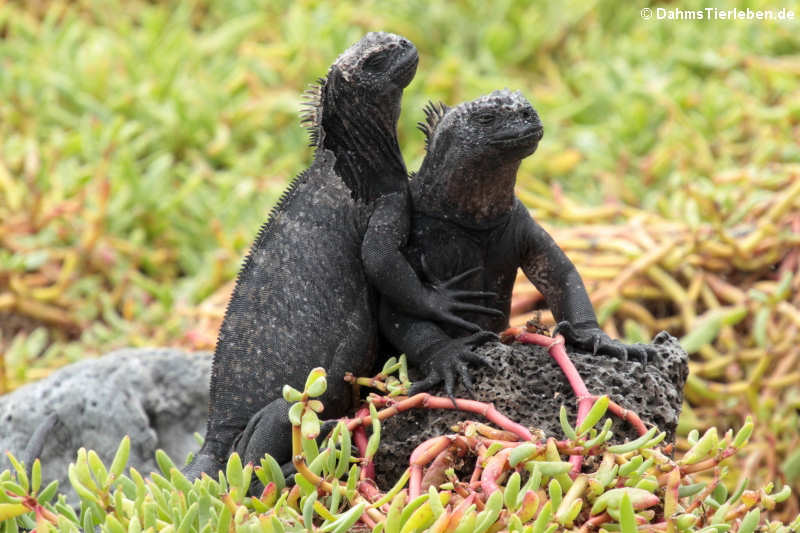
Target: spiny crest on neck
(433, 115)
(311, 114)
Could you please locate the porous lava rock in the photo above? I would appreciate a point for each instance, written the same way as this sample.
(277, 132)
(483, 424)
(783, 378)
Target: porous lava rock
(525, 384)
(157, 396)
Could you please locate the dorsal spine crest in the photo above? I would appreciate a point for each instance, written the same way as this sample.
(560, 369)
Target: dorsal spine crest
(433, 115)
(311, 113)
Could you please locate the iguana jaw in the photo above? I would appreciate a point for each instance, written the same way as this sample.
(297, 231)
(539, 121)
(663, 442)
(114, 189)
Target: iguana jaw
(405, 65)
(527, 135)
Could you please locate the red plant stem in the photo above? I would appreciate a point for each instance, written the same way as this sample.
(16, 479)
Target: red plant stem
(359, 433)
(368, 472)
(462, 489)
(302, 469)
(435, 474)
(487, 431)
(492, 472)
(428, 450)
(41, 511)
(555, 347)
(458, 512)
(671, 497)
(368, 521)
(367, 488)
(595, 521)
(698, 501)
(709, 463)
(360, 438)
(500, 443)
(414, 481)
(428, 401)
(627, 416)
(422, 455)
(789, 263)
(475, 480)
(702, 465)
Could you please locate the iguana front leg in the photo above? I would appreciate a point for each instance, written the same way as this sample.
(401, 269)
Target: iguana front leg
(440, 357)
(551, 271)
(390, 273)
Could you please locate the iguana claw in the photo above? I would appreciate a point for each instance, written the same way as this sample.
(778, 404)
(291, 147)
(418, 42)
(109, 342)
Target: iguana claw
(447, 303)
(448, 361)
(586, 337)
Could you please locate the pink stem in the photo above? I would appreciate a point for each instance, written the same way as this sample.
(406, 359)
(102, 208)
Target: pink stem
(627, 416)
(368, 521)
(475, 480)
(367, 488)
(360, 438)
(425, 400)
(555, 347)
(492, 471)
(422, 455)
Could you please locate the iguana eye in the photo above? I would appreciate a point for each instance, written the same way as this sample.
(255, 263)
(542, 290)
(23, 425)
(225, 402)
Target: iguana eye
(376, 61)
(485, 119)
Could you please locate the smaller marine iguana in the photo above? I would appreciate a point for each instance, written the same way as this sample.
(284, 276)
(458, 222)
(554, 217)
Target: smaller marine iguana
(306, 294)
(466, 216)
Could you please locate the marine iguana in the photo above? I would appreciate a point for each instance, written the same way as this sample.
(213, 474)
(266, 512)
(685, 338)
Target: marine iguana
(465, 215)
(333, 238)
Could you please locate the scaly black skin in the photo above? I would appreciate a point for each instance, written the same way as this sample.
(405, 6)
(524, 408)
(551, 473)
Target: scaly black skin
(305, 296)
(466, 216)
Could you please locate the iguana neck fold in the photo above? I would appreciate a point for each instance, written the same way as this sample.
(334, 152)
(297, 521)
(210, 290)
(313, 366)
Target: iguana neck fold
(363, 137)
(470, 192)
(354, 110)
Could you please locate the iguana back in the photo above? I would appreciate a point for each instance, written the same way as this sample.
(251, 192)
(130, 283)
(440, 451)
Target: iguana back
(303, 272)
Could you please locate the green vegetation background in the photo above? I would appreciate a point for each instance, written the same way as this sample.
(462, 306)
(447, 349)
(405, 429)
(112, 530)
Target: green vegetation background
(149, 139)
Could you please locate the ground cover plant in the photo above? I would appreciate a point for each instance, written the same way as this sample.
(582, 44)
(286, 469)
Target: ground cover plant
(519, 482)
(141, 144)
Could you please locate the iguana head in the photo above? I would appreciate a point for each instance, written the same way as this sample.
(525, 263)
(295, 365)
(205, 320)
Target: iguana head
(378, 63)
(500, 125)
(354, 110)
(474, 151)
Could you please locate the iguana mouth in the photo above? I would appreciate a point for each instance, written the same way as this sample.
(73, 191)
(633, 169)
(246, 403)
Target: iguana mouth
(519, 137)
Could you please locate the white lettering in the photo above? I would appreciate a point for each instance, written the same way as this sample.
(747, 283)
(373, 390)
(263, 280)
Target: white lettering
(713, 13)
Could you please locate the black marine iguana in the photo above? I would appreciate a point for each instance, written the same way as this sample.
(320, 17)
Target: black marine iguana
(305, 295)
(466, 216)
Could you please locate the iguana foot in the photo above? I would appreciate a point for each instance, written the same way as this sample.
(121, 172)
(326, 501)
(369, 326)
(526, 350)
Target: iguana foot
(592, 338)
(202, 463)
(448, 360)
(445, 302)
